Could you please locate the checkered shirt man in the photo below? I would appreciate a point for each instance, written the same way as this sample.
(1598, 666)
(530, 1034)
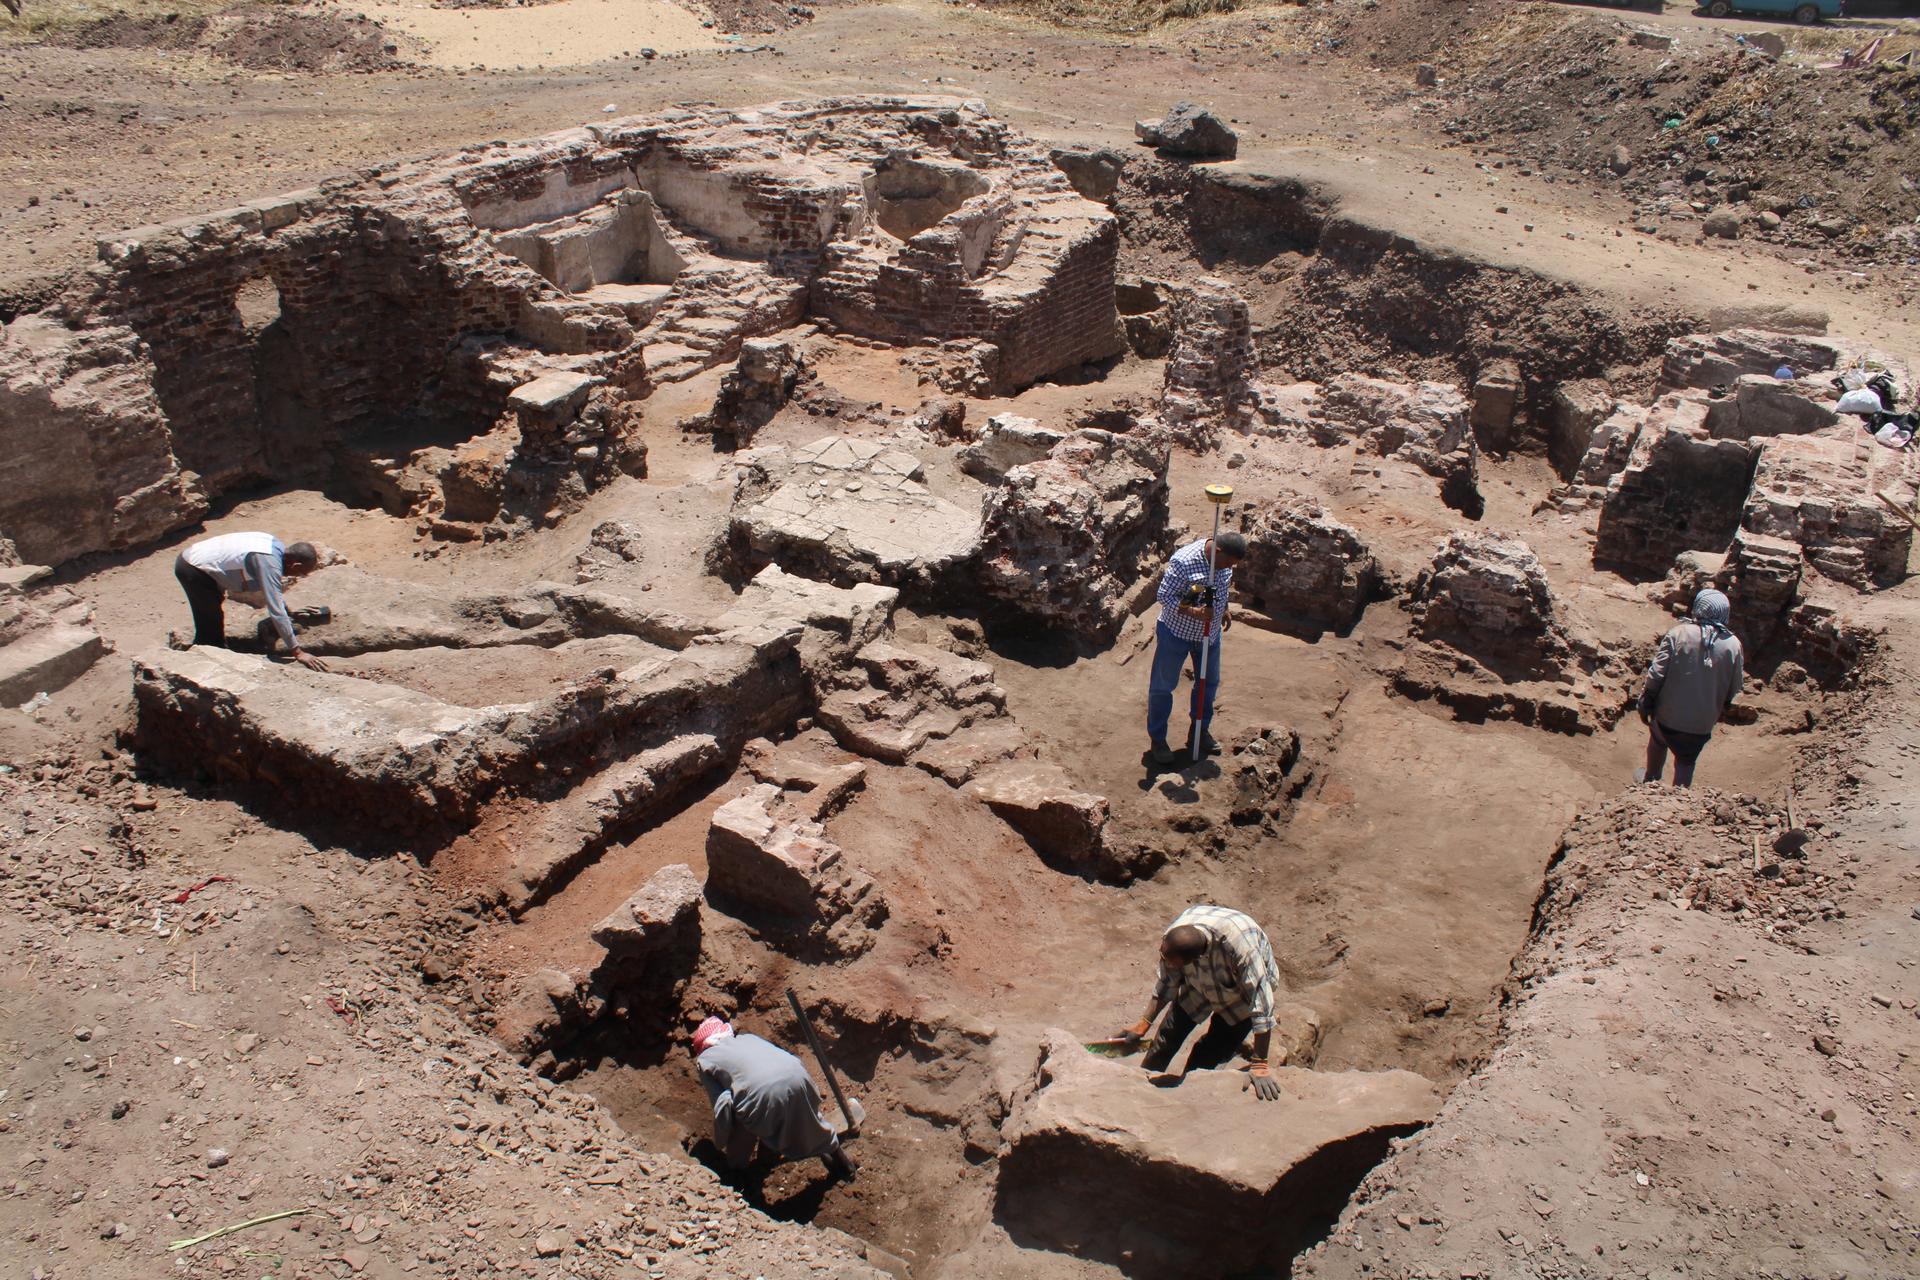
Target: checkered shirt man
(1187, 566)
(1236, 978)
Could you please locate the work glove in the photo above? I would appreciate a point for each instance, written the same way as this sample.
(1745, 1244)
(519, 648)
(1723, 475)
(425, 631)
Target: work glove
(1133, 1034)
(1260, 1080)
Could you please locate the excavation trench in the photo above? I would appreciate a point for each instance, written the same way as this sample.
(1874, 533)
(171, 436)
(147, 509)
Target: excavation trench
(1393, 930)
(801, 601)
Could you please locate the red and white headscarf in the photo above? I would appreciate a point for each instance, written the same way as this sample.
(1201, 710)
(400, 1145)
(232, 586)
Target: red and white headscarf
(710, 1033)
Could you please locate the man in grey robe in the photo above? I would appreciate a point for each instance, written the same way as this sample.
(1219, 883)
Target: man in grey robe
(762, 1095)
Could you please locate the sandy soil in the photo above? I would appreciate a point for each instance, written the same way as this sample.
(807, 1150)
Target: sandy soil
(1398, 893)
(566, 33)
(180, 134)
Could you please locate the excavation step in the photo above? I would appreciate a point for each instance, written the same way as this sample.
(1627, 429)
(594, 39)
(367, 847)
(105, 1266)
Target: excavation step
(1169, 1175)
(553, 842)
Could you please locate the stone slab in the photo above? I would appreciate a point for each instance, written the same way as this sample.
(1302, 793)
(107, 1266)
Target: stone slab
(46, 660)
(1174, 1164)
(660, 915)
(554, 396)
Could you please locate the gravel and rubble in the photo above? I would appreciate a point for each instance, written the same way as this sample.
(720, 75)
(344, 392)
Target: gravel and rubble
(267, 1030)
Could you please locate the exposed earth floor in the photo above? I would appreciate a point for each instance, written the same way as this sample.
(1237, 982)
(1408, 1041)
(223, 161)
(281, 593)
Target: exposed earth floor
(828, 674)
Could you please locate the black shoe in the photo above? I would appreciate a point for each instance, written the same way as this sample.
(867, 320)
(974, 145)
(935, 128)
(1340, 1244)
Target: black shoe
(839, 1164)
(1162, 753)
(1208, 747)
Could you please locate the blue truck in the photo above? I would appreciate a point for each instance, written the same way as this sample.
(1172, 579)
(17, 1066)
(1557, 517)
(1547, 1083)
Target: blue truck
(1804, 12)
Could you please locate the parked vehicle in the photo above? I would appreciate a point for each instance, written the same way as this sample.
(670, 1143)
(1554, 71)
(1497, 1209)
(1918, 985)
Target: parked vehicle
(1804, 12)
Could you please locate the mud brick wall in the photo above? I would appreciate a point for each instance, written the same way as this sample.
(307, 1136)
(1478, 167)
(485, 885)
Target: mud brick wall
(364, 309)
(270, 339)
(1067, 317)
(1678, 493)
(1809, 490)
(1073, 318)
(178, 287)
(1211, 366)
(86, 461)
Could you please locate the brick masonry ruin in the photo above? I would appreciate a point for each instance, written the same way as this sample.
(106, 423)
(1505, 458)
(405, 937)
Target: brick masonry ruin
(516, 300)
(846, 694)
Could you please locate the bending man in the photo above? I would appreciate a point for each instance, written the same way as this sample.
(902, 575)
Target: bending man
(1186, 600)
(762, 1094)
(1216, 966)
(1695, 677)
(253, 568)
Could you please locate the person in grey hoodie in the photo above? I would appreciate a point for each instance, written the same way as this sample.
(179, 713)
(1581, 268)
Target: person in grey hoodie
(1694, 678)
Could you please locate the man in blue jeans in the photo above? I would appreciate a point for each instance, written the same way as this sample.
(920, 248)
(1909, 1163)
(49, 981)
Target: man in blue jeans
(1186, 596)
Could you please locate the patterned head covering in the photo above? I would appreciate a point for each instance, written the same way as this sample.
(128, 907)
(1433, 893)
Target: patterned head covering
(710, 1033)
(1711, 609)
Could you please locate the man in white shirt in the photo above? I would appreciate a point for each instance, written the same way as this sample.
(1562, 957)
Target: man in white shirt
(253, 568)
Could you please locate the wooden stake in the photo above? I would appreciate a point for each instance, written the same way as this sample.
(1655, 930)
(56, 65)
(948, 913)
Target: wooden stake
(1895, 507)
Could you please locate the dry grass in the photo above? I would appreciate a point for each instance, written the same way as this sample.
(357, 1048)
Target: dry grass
(1826, 44)
(42, 20)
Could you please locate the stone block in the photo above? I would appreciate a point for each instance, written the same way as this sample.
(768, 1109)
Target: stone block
(660, 917)
(851, 511)
(757, 861)
(1578, 410)
(558, 838)
(1066, 538)
(1189, 132)
(1065, 824)
(1679, 491)
(1762, 578)
(1496, 399)
(1167, 1178)
(1610, 445)
(1702, 360)
(1093, 171)
(1759, 404)
(553, 398)
(1211, 365)
(1304, 569)
(1814, 491)
(46, 660)
(962, 755)
(777, 868)
(815, 789)
(393, 758)
(1007, 441)
(1487, 595)
(1426, 423)
(897, 698)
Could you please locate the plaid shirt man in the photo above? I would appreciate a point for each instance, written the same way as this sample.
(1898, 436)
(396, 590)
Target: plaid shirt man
(1187, 566)
(1236, 978)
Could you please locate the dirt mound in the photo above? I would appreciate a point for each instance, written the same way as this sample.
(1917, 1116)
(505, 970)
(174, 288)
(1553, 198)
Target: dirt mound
(1113, 15)
(763, 17)
(269, 41)
(125, 31)
(1793, 150)
(259, 39)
